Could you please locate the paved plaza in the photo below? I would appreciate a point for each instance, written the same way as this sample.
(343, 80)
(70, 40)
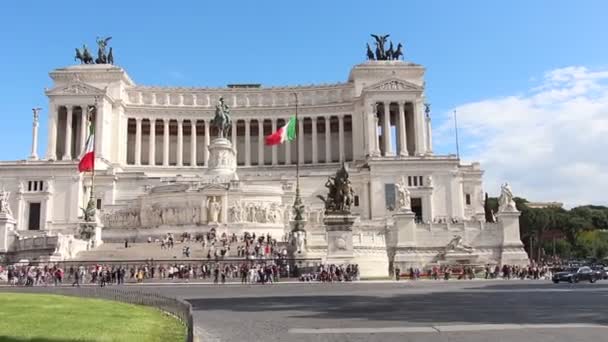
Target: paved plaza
(407, 311)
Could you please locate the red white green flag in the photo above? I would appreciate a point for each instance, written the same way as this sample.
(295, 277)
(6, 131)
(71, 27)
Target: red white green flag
(87, 158)
(286, 133)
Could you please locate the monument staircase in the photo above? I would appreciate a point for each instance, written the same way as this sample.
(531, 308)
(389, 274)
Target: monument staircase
(143, 251)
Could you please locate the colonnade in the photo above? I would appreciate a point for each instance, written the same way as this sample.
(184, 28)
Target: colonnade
(68, 126)
(184, 141)
(406, 118)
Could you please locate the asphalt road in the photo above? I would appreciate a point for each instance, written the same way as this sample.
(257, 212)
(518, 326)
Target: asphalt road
(422, 311)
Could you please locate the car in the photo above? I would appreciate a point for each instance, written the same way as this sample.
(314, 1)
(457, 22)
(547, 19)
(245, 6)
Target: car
(600, 272)
(576, 274)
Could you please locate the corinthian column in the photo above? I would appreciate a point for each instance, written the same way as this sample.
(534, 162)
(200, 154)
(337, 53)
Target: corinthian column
(166, 142)
(152, 143)
(260, 141)
(274, 147)
(386, 130)
(51, 152)
(34, 154)
(67, 147)
(192, 142)
(180, 142)
(328, 139)
(341, 137)
(402, 133)
(301, 141)
(137, 141)
(315, 152)
(247, 142)
(83, 126)
(287, 148)
(206, 143)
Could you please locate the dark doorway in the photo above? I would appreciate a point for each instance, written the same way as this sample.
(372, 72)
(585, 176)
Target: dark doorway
(417, 207)
(34, 218)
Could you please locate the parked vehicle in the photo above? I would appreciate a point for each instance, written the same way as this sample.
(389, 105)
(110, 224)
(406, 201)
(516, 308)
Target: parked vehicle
(601, 272)
(576, 274)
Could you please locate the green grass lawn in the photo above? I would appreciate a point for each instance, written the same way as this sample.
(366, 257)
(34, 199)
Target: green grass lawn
(51, 318)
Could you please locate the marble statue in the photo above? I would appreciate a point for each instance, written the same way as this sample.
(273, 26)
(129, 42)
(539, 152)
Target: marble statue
(300, 240)
(456, 244)
(236, 212)
(505, 201)
(214, 208)
(4, 202)
(404, 201)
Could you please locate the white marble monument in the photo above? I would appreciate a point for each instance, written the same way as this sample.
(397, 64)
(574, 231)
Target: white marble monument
(160, 168)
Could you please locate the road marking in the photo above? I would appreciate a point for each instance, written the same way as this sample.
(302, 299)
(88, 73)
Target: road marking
(378, 330)
(442, 328)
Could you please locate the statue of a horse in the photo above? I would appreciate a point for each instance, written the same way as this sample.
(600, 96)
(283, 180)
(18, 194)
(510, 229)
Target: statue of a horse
(84, 56)
(222, 121)
(398, 52)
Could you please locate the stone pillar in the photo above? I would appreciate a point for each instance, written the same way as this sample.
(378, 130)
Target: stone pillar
(341, 137)
(401, 131)
(373, 131)
(166, 142)
(287, 149)
(84, 120)
(260, 141)
(418, 127)
(274, 147)
(51, 152)
(300, 137)
(386, 129)
(35, 123)
(7, 225)
(327, 139)
(180, 142)
(224, 211)
(247, 142)
(152, 143)
(315, 152)
(192, 142)
(67, 150)
(403, 237)
(137, 141)
(427, 209)
(512, 251)
(99, 150)
(206, 143)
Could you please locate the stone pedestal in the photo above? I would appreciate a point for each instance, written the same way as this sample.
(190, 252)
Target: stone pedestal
(512, 249)
(222, 158)
(339, 228)
(403, 240)
(404, 234)
(7, 224)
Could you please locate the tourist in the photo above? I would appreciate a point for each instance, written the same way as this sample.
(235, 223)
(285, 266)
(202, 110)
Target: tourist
(397, 273)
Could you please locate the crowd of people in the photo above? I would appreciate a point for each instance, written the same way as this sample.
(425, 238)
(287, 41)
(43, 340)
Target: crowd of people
(223, 246)
(332, 273)
(532, 271)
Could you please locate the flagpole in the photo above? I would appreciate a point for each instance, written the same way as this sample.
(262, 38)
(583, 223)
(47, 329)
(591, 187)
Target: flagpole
(456, 130)
(297, 148)
(298, 207)
(91, 122)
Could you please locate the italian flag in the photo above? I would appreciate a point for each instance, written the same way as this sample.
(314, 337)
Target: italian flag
(87, 158)
(283, 134)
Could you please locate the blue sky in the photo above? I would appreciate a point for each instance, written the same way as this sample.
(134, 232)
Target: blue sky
(474, 51)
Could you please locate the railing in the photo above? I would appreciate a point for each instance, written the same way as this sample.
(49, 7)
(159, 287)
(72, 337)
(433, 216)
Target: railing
(176, 307)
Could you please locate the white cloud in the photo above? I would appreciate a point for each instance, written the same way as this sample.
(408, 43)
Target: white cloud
(551, 142)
